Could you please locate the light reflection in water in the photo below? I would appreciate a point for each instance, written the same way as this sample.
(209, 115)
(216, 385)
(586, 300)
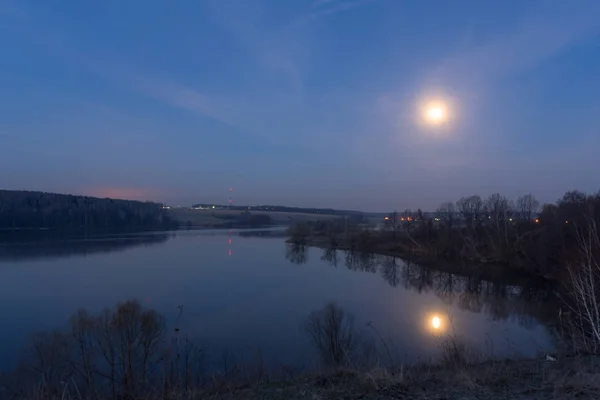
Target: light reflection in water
(526, 302)
(504, 301)
(436, 323)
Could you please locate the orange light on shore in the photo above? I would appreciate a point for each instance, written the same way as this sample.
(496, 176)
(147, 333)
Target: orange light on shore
(537, 221)
(387, 218)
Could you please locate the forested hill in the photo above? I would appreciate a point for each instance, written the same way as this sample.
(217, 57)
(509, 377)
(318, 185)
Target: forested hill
(38, 210)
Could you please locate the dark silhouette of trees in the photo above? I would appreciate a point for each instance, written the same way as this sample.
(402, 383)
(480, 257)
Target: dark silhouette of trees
(495, 231)
(470, 208)
(394, 224)
(39, 210)
(447, 212)
(334, 335)
(299, 233)
(47, 246)
(527, 206)
(122, 352)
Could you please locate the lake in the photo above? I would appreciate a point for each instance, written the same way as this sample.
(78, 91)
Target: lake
(247, 292)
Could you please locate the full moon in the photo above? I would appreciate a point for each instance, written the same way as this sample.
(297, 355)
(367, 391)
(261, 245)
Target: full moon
(435, 114)
(436, 323)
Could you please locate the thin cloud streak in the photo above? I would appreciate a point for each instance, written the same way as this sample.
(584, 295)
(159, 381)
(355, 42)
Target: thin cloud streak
(181, 97)
(244, 22)
(546, 32)
(321, 3)
(160, 89)
(170, 93)
(337, 8)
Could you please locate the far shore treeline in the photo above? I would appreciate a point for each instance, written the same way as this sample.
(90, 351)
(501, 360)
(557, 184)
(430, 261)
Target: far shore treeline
(28, 211)
(523, 236)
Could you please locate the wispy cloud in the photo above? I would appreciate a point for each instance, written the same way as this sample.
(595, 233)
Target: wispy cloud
(180, 96)
(274, 49)
(277, 117)
(131, 79)
(321, 3)
(158, 88)
(324, 8)
(263, 115)
(548, 30)
(283, 48)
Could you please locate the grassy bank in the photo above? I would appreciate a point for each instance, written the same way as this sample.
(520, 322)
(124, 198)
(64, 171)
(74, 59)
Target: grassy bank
(565, 378)
(568, 378)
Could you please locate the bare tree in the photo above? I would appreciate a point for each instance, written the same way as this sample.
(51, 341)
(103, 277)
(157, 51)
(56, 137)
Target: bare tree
(120, 353)
(299, 233)
(585, 284)
(446, 212)
(333, 333)
(497, 205)
(527, 206)
(394, 221)
(407, 219)
(470, 208)
(83, 328)
(499, 208)
(49, 357)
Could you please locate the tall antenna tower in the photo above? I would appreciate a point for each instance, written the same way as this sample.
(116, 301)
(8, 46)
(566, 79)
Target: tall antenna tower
(230, 191)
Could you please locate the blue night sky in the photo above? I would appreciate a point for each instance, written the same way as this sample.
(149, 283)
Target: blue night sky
(300, 102)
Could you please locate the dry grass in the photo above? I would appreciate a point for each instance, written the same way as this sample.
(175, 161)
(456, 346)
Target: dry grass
(459, 375)
(533, 379)
(566, 378)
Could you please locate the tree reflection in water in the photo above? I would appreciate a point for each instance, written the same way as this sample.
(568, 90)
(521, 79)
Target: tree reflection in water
(49, 247)
(296, 253)
(330, 256)
(528, 303)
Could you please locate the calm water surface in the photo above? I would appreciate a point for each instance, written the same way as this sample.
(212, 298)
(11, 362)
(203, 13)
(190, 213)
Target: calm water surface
(244, 293)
